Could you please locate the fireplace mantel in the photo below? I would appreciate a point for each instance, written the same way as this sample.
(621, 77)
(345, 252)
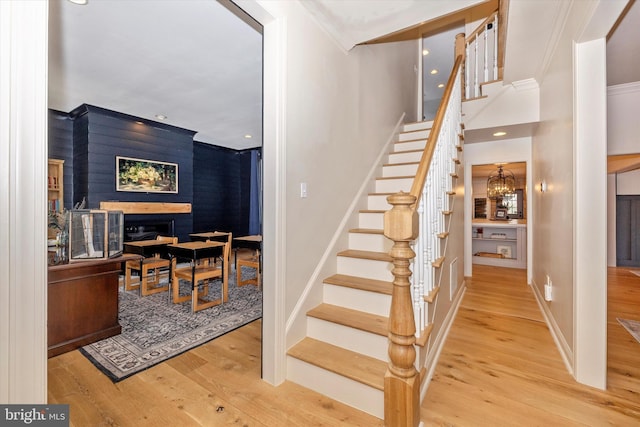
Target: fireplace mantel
(147, 207)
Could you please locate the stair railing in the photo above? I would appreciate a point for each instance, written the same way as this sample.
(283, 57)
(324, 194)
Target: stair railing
(482, 54)
(418, 215)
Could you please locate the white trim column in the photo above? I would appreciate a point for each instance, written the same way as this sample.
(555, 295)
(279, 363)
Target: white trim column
(590, 210)
(23, 207)
(274, 193)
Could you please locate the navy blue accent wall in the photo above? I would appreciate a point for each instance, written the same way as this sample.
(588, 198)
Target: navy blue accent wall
(215, 180)
(221, 189)
(61, 147)
(100, 135)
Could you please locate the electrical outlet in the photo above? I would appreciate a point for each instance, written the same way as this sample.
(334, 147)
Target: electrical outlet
(548, 289)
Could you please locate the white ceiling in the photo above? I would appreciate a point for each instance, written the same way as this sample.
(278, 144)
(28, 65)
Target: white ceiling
(190, 60)
(201, 66)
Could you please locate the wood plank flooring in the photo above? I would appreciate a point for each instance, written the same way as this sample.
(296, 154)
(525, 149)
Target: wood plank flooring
(500, 366)
(216, 384)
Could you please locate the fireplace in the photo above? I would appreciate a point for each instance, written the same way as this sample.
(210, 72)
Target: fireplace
(136, 228)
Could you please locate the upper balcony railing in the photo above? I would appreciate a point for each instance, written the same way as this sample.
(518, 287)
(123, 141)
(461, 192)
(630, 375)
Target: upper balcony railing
(481, 57)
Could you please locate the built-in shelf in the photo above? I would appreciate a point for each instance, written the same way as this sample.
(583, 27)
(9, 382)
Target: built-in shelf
(507, 251)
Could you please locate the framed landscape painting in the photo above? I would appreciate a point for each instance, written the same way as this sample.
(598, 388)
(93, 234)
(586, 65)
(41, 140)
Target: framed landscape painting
(146, 176)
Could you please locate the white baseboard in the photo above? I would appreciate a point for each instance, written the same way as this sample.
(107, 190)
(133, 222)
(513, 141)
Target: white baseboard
(565, 351)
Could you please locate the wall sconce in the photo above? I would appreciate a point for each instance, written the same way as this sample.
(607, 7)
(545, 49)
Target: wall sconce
(543, 186)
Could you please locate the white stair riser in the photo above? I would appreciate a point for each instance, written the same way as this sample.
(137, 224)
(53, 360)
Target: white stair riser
(362, 342)
(406, 146)
(400, 170)
(337, 387)
(356, 299)
(393, 185)
(369, 242)
(376, 203)
(369, 269)
(417, 126)
(411, 156)
(371, 220)
(415, 134)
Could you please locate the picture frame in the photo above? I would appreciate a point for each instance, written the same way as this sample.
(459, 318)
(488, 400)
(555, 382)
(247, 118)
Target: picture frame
(501, 214)
(146, 176)
(504, 250)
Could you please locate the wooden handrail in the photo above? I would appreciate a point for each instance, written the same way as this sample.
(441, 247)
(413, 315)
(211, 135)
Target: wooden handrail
(427, 154)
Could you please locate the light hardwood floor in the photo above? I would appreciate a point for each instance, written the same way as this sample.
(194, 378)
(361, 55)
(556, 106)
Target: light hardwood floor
(499, 367)
(216, 384)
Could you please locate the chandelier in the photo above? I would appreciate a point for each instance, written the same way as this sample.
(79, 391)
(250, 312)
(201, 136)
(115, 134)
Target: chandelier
(500, 183)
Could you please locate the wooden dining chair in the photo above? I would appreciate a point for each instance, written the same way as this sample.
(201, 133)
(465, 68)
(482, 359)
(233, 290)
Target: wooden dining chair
(204, 272)
(152, 269)
(252, 262)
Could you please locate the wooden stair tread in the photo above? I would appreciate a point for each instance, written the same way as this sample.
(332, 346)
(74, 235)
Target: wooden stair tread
(406, 151)
(432, 295)
(395, 177)
(401, 164)
(366, 231)
(361, 283)
(358, 367)
(421, 122)
(374, 256)
(438, 262)
(355, 319)
(414, 140)
(422, 339)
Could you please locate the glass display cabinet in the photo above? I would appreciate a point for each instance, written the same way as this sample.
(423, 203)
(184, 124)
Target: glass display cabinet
(95, 234)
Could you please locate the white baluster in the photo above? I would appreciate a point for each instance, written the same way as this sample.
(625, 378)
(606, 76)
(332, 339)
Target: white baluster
(467, 67)
(495, 48)
(485, 65)
(476, 86)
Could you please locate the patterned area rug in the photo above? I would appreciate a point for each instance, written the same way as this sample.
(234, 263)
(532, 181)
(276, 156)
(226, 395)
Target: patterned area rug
(154, 330)
(633, 326)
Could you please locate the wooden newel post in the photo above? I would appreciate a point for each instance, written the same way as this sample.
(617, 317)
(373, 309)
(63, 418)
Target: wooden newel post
(401, 382)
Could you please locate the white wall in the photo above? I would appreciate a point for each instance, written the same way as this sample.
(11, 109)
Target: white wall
(628, 183)
(623, 104)
(569, 153)
(339, 109)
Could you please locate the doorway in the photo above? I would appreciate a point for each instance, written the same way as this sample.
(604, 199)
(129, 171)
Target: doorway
(628, 231)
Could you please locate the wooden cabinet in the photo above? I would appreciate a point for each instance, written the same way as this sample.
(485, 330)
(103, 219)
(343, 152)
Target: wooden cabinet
(502, 244)
(83, 303)
(55, 184)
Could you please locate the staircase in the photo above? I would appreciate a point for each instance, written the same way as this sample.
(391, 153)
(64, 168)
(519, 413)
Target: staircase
(344, 355)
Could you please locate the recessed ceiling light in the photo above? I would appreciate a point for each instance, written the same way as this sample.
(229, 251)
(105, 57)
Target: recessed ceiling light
(248, 136)
(161, 117)
(441, 85)
(81, 2)
(425, 52)
(501, 133)
(434, 71)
